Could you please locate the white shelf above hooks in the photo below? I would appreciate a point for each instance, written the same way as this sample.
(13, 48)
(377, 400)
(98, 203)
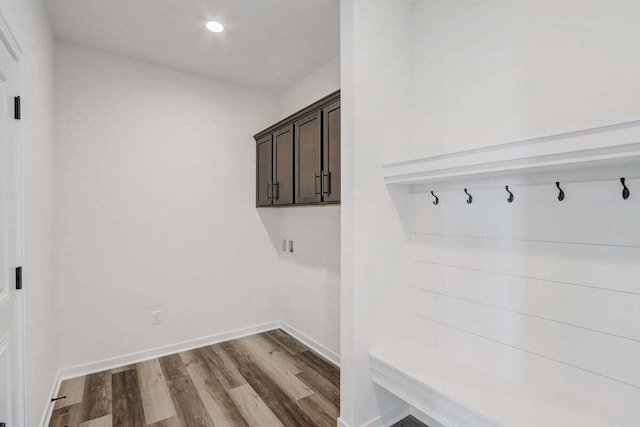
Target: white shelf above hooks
(602, 153)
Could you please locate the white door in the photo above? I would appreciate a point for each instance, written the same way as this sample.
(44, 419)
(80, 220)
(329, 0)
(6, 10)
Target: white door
(11, 325)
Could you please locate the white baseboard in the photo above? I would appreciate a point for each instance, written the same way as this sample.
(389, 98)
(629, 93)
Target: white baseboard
(330, 355)
(141, 356)
(385, 420)
(48, 410)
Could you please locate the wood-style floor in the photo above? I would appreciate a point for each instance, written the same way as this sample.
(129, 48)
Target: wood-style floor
(265, 380)
(409, 422)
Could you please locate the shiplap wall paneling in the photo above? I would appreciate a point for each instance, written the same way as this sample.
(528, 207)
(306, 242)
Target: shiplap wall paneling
(557, 382)
(601, 354)
(538, 291)
(599, 310)
(591, 213)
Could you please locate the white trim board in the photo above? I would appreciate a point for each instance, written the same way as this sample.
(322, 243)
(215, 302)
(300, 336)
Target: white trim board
(140, 356)
(599, 153)
(22, 401)
(9, 40)
(387, 419)
(325, 352)
(48, 411)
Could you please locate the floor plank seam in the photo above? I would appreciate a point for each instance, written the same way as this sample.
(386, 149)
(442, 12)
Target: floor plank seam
(266, 379)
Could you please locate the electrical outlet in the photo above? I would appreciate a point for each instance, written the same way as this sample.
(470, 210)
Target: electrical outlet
(156, 317)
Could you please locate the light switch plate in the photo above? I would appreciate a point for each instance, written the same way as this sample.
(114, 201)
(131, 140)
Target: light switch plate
(284, 245)
(290, 246)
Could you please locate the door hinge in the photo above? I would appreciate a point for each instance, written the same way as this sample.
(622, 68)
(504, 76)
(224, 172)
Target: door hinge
(17, 108)
(18, 280)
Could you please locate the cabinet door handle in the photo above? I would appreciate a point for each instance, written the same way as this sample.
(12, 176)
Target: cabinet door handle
(277, 184)
(327, 186)
(318, 179)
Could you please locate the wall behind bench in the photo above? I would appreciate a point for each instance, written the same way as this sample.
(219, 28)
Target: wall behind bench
(479, 74)
(538, 291)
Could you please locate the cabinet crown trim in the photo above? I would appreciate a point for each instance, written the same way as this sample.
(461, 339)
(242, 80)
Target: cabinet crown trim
(332, 97)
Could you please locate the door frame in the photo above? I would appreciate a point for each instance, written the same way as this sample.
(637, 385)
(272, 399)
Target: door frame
(9, 40)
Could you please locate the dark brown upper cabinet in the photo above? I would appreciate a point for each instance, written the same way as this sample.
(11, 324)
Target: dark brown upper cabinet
(283, 166)
(331, 153)
(264, 171)
(298, 158)
(308, 159)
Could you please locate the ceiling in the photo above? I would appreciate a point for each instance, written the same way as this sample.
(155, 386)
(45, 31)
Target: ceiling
(267, 44)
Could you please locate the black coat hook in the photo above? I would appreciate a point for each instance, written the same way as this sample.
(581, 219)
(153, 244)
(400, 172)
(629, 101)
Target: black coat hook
(436, 201)
(510, 199)
(470, 199)
(625, 190)
(561, 194)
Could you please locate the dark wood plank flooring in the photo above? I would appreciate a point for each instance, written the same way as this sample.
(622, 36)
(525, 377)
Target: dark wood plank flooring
(265, 380)
(409, 422)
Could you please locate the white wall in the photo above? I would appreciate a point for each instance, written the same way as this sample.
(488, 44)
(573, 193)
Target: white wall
(494, 72)
(548, 313)
(321, 82)
(375, 89)
(540, 292)
(156, 206)
(310, 277)
(28, 21)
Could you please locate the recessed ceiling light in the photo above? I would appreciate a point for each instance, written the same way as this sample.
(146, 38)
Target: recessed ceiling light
(215, 27)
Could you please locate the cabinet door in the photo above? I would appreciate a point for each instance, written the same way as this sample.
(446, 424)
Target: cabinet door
(308, 164)
(331, 153)
(264, 161)
(283, 166)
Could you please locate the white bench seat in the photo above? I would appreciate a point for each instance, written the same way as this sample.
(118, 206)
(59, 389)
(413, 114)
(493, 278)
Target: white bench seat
(457, 394)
